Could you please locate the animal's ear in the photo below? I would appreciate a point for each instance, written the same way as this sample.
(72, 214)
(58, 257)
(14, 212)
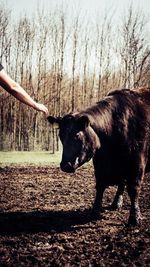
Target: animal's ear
(53, 120)
(83, 122)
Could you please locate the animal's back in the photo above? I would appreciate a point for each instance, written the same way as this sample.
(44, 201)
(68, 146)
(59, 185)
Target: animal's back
(144, 93)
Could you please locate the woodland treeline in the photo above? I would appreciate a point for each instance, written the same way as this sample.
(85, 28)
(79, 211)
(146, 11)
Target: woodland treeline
(66, 62)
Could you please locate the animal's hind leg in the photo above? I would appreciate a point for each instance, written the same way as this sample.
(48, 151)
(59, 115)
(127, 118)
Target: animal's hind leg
(133, 188)
(135, 214)
(118, 200)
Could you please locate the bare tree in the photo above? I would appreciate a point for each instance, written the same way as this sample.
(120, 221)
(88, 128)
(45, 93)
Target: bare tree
(75, 39)
(103, 50)
(134, 49)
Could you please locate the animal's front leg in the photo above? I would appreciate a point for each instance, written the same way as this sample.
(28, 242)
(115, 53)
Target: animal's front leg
(97, 206)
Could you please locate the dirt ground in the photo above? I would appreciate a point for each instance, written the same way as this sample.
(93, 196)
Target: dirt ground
(45, 221)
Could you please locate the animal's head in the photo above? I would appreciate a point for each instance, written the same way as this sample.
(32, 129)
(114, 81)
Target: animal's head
(78, 138)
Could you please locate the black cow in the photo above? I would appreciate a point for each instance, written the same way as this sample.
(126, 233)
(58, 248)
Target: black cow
(116, 134)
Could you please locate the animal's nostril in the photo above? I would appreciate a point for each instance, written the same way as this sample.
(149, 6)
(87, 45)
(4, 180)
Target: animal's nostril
(66, 167)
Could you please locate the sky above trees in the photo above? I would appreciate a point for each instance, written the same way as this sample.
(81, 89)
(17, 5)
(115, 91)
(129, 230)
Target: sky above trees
(88, 7)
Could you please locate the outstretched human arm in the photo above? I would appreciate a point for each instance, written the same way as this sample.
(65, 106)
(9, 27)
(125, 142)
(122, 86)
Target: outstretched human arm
(18, 92)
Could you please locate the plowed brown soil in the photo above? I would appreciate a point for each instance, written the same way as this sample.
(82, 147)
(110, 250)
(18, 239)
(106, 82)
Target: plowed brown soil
(45, 221)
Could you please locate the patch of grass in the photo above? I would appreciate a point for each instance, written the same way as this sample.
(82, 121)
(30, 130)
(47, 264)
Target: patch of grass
(33, 157)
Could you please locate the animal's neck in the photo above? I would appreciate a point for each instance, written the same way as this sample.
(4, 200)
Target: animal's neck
(100, 116)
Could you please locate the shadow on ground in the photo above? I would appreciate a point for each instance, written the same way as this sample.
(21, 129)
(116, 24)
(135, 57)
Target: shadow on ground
(41, 221)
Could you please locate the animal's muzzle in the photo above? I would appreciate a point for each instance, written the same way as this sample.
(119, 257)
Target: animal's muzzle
(67, 167)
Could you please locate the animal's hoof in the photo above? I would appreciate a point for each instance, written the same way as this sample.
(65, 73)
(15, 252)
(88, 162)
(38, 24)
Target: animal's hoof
(117, 204)
(96, 209)
(96, 214)
(134, 221)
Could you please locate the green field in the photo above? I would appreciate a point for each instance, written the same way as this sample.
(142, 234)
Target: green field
(36, 157)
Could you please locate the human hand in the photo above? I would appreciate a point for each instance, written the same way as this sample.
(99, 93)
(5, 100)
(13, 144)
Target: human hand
(41, 107)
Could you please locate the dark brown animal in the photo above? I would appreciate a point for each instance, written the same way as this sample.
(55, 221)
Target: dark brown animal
(116, 134)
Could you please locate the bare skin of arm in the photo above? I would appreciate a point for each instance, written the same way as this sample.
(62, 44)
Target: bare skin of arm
(19, 93)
